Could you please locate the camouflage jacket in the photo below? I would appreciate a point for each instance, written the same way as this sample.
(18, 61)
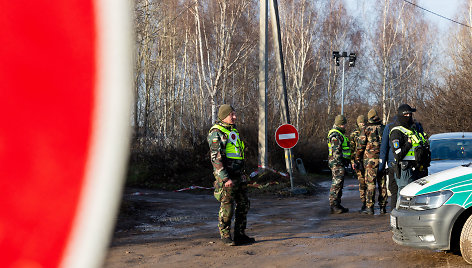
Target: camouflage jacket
(223, 167)
(336, 140)
(353, 141)
(370, 139)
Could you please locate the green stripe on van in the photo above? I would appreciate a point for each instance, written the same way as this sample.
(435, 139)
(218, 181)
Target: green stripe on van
(459, 199)
(452, 184)
(461, 187)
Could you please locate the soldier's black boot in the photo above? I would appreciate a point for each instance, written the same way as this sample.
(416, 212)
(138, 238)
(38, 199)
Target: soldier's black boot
(338, 209)
(383, 210)
(241, 239)
(369, 211)
(227, 241)
(363, 209)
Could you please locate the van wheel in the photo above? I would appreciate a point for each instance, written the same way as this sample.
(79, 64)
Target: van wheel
(466, 241)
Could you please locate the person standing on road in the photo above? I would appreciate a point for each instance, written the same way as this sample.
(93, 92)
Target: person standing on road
(408, 147)
(386, 163)
(227, 158)
(358, 166)
(339, 157)
(368, 150)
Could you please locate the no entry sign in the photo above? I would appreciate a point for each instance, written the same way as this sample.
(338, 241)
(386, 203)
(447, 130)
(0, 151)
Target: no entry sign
(286, 136)
(65, 76)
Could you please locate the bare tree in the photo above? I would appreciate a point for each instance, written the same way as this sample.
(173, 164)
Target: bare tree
(302, 68)
(216, 56)
(452, 102)
(401, 45)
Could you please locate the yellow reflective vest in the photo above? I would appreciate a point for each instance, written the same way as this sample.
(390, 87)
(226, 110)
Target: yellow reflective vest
(345, 145)
(416, 139)
(234, 145)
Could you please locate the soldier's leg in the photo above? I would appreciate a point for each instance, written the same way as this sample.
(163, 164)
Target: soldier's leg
(370, 177)
(382, 185)
(393, 187)
(362, 185)
(335, 192)
(242, 205)
(226, 212)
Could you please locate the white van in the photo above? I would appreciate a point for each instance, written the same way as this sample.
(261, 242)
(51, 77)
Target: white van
(435, 212)
(450, 150)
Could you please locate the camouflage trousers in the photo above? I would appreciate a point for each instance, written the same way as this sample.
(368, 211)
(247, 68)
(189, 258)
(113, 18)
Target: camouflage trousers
(383, 195)
(371, 178)
(234, 200)
(337, 183)
(362, 184)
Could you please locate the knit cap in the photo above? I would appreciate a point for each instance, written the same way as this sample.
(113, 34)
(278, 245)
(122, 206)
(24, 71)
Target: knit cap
(224, 111)
(340, 120)
(361, 119)
(372, 113)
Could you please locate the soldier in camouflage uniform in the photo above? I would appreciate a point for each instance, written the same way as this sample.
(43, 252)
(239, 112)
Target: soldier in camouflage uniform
(339, 156)
(227, 158)
(358, 166)
(368, 149)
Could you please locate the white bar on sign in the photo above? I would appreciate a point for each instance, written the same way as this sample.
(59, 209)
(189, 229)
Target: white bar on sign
(287, 136)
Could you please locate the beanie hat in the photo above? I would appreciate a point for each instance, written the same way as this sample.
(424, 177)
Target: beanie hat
(224, 111)
(361, 119)
(372, 113)
(405, 109)
(340, 120)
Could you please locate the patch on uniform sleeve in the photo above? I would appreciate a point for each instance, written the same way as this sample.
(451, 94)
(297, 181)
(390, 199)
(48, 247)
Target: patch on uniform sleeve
(334, 139)
(215, 140)
(396, 144)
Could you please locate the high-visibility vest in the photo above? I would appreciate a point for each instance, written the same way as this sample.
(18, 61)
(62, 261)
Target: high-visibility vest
(234, 146)
(345, 145)
(416, 139)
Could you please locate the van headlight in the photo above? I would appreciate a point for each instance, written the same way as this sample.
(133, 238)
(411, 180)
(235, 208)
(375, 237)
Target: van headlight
(427, 201)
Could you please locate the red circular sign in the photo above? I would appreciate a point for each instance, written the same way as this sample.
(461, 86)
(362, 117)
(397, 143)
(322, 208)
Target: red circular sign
(59, 92)
(286, 136)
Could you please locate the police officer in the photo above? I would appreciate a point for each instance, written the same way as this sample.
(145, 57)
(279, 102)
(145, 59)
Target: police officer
(386, 163)
(408, 146)
(358, 166)
(227, 158)
(368, 150)
(339, 156)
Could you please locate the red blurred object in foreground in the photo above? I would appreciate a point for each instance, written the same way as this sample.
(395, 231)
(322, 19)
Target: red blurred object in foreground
(48, 96)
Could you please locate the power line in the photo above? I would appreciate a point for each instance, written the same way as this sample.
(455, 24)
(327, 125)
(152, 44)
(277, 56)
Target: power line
(439, 15)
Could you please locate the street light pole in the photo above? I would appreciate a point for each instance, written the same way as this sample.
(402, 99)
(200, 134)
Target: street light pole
(342, 91)
(352, 63)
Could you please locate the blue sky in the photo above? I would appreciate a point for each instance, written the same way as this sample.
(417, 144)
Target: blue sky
(446, 8)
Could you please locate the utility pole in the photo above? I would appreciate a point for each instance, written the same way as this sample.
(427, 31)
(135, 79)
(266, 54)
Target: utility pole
(274, 12)
(352, 63)
(263, 66)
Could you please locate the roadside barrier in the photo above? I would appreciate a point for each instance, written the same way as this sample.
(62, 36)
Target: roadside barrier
(254, 173)
(253, 184)
(194, 187)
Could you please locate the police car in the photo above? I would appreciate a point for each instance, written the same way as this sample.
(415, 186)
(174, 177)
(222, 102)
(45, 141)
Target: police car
(450, 150)
(435, 212)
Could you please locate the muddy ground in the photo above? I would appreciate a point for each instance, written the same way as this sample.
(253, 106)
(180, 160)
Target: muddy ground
(179, 229)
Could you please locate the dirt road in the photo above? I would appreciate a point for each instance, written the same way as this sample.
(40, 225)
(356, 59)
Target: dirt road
(179, 229)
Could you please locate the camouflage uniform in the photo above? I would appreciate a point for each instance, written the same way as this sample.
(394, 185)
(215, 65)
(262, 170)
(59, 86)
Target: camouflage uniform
(336, 161)
(232, 198)
(354, 140)
(369, 150)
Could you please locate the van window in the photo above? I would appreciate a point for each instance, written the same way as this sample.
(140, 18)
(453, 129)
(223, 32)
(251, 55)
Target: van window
(451, 149)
